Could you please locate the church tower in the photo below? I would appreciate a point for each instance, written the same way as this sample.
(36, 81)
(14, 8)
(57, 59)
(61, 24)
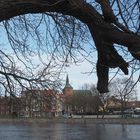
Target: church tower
(68, 89)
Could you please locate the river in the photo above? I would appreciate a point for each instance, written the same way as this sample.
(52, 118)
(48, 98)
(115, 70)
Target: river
(68, 131)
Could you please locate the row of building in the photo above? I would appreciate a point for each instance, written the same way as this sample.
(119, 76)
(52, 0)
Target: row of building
(50, 103)
(36, 103)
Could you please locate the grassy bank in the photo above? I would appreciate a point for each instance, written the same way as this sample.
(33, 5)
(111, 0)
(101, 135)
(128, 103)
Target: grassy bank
(71, 120)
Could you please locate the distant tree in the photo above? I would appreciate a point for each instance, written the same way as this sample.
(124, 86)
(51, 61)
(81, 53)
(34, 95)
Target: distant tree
(124, 90)
(83, 102)
(98, 101)
(94, 90)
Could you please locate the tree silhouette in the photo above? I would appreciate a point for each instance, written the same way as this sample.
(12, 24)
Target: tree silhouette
(61, 27)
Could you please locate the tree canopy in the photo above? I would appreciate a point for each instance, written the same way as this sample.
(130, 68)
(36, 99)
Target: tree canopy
(62, 29)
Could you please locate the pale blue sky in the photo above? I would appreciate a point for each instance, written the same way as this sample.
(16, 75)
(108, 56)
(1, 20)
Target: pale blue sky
(78, 78)
(80, 75)
(76, 73)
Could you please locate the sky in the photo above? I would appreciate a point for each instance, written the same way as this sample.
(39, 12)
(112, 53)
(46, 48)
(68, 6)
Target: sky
(80, 75)
(78, 78)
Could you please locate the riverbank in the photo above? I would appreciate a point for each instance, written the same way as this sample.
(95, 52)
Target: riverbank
(72, 120)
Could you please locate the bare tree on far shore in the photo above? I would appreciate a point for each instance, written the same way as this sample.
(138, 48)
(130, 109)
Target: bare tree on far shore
(124, 90)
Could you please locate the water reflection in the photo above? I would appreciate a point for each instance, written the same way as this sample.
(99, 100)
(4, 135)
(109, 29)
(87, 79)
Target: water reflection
(68, 131)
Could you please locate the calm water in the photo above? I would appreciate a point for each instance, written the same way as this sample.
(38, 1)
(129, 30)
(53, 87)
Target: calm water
(68, 131)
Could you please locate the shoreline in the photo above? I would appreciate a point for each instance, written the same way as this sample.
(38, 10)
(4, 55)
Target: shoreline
(72, 120)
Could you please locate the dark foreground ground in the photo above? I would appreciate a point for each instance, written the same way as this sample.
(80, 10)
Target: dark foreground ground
(70, 129)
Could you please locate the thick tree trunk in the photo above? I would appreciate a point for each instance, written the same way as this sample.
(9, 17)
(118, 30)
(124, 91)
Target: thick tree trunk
(103, 32)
